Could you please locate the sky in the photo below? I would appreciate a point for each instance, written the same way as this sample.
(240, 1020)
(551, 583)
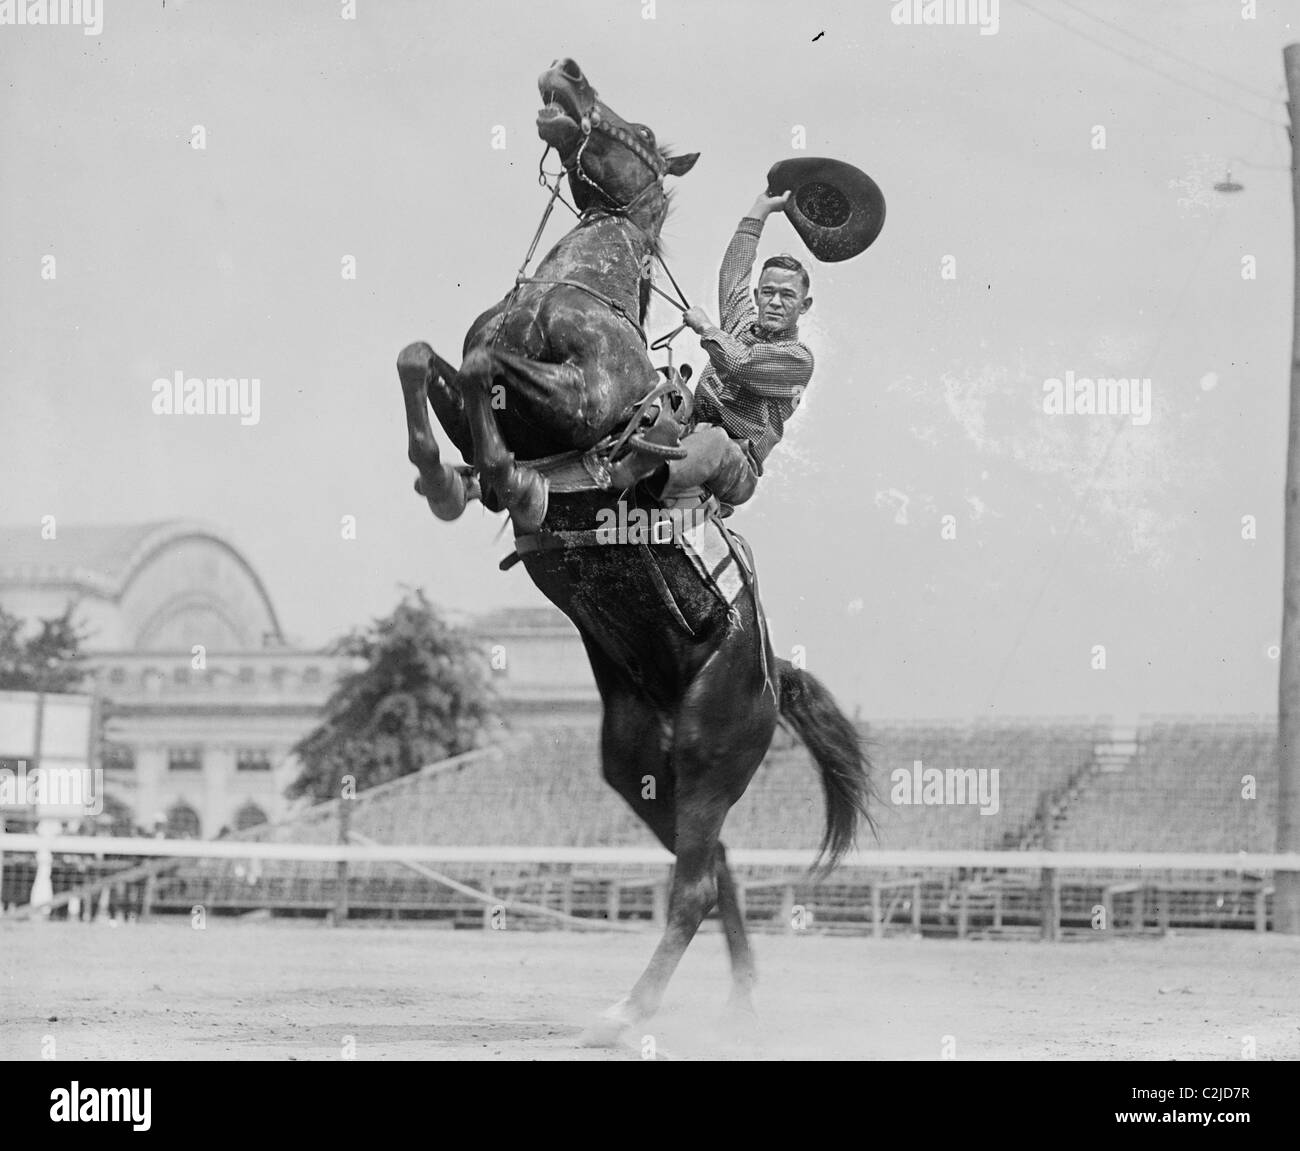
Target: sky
(1016, 250)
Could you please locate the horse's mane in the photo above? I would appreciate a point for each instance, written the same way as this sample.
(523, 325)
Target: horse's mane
(657, 246)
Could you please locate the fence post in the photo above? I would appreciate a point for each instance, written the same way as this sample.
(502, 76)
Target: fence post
(1050, 890)
(341, 895)
(146, 897)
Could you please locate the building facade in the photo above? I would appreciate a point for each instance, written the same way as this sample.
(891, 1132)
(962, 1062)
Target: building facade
(203, 697)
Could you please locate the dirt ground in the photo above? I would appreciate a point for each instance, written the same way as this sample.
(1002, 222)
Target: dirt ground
(300, 990)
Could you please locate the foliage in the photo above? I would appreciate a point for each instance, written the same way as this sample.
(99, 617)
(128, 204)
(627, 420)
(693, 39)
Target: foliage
(420, 694)
(48, 660)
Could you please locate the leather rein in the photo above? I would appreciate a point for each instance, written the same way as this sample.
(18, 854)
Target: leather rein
(593, 122)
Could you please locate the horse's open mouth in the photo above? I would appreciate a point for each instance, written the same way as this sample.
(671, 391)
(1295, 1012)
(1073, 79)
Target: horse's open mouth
(559, 115)
(554, 114)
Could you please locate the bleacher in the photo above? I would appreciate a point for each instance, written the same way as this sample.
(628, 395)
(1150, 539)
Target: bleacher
(546, 790)
(1061, 784)
(1187, 789)
(783, 806)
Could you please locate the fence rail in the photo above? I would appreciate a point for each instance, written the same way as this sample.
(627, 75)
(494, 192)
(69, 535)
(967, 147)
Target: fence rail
(650, 856)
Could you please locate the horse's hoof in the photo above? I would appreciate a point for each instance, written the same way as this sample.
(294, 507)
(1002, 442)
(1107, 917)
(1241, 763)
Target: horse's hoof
(528, 504)
(740, 1025)
(604, 1033)
(610, 1028)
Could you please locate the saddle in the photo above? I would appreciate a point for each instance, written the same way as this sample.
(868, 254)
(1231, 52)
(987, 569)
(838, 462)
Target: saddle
(620, 460)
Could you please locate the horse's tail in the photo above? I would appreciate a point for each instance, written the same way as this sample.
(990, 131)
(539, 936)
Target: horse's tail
(837, 748)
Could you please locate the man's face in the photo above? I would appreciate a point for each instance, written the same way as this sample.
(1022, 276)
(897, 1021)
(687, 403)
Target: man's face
(780, 300)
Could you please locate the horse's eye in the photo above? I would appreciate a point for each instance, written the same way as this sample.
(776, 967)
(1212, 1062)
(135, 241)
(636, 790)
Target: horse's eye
(645, 132)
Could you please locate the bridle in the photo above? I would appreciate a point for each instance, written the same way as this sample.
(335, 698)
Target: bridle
(591, 123)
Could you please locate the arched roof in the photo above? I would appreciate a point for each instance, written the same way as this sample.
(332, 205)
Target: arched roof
(105, 560)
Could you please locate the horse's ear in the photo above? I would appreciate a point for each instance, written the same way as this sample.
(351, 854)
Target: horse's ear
(680, 165)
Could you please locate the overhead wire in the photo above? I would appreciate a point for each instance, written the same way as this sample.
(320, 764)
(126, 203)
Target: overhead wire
(1141, 63)
(1259, 93)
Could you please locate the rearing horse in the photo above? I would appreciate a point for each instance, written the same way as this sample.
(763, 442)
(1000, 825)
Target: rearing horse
(691, 691)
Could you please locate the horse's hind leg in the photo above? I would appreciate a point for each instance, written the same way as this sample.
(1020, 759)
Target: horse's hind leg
(743, 975)
(445, 488)
(723, 728)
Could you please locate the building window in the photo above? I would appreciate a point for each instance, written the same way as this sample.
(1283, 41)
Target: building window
(311, 675)
(182, 821)
(118, 757)
(184, 759)
(278, 676)
(181, 675)
(245, 674)
(253, 760)
(117, 675)
(249, 815)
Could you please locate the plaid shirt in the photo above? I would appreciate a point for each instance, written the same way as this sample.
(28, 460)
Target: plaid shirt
(752, 383)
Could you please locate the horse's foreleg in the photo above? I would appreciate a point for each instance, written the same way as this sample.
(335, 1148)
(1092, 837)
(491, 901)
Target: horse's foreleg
(488, 380)
(449, 405)
(445, 488)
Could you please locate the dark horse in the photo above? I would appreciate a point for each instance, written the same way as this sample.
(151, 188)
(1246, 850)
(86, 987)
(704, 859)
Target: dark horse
(691, 691)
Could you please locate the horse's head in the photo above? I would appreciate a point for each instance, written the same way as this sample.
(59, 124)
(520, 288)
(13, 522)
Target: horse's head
(611, 161)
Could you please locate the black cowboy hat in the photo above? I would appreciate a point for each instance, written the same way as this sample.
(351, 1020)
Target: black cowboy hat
(837, 209)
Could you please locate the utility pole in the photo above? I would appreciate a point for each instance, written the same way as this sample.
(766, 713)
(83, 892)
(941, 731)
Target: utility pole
(1287, 884)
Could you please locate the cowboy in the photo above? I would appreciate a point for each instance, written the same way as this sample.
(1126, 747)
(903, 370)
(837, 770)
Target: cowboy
(758, 368)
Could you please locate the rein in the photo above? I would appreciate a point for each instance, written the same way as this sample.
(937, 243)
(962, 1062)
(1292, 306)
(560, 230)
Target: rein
(590, 123)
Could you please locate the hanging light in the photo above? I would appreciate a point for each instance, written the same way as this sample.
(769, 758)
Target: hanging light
(1228, 184)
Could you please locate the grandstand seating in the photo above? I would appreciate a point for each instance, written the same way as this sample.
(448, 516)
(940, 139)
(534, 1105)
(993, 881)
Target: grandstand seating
(1182, 792)
(547, 790)
(783, 806)
(1062, 784)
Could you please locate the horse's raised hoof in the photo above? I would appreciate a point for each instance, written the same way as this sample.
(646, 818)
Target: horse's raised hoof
(467, 476)
(526, 495)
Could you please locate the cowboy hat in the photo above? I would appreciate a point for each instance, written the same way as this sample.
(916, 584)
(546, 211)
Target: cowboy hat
(837, 209)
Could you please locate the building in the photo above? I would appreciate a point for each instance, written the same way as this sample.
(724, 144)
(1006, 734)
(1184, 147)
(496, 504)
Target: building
(204, 696)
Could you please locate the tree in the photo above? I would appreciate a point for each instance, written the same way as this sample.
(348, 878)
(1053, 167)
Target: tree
(422, 694)
(49, 660)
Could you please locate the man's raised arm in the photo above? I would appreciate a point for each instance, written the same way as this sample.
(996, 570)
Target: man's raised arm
(735, 304)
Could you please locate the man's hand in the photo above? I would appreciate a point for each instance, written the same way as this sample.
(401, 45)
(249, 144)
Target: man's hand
(765, 205)
(697, 319)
